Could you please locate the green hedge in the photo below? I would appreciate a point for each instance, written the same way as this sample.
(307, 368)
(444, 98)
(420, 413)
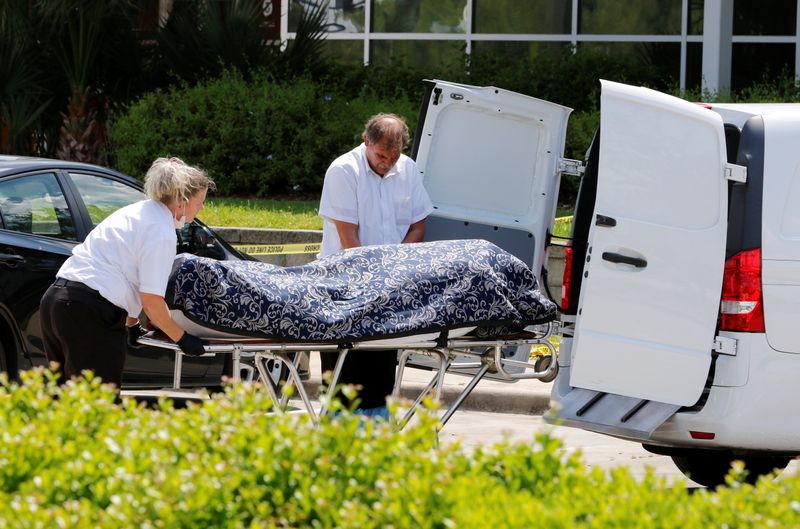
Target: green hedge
(71, 457)
(254, 138)
(265, 137)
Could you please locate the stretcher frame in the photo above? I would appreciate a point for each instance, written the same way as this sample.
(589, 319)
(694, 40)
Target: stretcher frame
(486, 355)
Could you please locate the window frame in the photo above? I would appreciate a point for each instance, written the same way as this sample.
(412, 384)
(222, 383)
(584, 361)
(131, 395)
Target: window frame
(684, 37)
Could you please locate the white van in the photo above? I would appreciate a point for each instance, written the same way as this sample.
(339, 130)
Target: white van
(682, 287)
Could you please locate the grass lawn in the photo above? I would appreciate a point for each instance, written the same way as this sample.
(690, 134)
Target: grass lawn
(293, 214)
(260, 213)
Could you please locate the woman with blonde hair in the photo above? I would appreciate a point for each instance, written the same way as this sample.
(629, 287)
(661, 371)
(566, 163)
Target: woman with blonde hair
(121, 269)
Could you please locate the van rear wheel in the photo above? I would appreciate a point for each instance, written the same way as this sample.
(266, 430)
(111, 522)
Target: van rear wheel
(709, 467)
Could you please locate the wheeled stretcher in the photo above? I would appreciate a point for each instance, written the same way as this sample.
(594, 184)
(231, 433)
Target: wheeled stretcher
(487, 355)
(448, 302)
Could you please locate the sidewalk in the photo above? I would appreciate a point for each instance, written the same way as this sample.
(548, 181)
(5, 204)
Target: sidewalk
(530, 397)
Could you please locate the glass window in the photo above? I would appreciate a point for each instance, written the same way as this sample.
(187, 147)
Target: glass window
(622, 17)
(755, 63)
(498, 52)
(695, 17)
(523, 16)
(340, 15)
(346, 51)
(658, 63)
(419, 16)
(103, 196)
(694, 65)
(35, 204)
(435, 56)
(756, 17)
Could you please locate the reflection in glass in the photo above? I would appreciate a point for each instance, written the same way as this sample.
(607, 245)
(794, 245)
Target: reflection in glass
(523, 16)
(419, 16)
(431, 55)
(695, 22)
(656, 62)
(694, 65)
(344, 51)
(35, 204)
(756, 17)
(103, 196)
(757, 63)
(619, 17)
(497, 52)
(342, 16)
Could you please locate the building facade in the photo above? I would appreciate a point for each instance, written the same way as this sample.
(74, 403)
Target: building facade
(716, 44)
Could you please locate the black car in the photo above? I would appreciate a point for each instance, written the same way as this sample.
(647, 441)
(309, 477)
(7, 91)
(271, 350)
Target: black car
(46, 208)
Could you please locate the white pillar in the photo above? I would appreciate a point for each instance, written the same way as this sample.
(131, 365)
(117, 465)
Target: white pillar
(717, 32)
(797, 45)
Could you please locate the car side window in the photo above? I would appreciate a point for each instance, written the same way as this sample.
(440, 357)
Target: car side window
(102, 196)
(35, 204)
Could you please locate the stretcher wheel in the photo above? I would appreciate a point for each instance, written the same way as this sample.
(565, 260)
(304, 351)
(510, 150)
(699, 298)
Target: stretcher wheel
(541, 364)
(278, 372)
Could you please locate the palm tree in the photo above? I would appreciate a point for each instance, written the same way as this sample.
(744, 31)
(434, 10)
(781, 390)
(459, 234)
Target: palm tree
(60, 62)
(202, 38)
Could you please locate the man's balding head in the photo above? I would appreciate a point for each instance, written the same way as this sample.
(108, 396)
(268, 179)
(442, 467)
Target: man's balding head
(388, 129)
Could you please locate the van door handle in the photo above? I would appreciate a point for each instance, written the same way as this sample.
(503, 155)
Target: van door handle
(602, 220)
(11, 260)
(624, 259)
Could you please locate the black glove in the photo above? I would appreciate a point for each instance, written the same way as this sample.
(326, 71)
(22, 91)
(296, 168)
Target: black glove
(191, 345)
(135, 332)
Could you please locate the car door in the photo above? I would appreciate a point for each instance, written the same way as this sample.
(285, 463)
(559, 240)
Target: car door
(652, 279)
(37, 233)
(100, 195)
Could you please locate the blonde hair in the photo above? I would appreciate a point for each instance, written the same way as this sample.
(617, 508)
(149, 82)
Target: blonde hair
(390, 128)
(171, 179)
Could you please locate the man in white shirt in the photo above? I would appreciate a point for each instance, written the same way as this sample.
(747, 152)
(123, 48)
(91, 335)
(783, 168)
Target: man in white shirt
(373, 195)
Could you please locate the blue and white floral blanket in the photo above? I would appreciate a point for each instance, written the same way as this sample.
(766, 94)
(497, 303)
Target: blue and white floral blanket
(363, 293)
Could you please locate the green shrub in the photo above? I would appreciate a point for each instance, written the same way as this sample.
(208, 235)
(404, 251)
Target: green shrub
(254, 138)
(71, 457)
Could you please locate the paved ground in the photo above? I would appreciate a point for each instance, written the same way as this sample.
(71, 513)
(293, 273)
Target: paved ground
(529, 396)
(472, 428)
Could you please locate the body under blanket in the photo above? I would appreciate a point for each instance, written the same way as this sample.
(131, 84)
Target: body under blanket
(370, 292)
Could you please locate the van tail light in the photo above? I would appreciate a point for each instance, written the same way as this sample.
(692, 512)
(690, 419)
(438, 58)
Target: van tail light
(566, 283)
(742, 307)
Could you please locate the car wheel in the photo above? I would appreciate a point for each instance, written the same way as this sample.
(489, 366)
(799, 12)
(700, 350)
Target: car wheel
(709, 468)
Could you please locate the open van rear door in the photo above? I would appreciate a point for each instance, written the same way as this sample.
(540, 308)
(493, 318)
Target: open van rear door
(490, 163)
(651, 289)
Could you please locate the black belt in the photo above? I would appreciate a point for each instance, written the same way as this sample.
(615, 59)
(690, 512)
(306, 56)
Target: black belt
(61, 282)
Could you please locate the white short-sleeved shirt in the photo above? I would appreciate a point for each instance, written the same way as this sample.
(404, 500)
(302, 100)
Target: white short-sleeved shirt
(382, 207)
(129, 252)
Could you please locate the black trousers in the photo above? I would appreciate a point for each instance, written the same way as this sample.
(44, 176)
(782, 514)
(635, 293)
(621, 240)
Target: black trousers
(83, 330)
(374, 371)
